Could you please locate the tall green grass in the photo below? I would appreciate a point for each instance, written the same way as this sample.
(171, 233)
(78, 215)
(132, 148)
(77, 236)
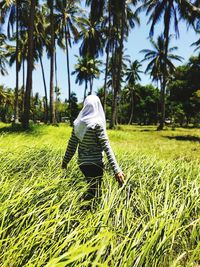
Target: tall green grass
(153, 220)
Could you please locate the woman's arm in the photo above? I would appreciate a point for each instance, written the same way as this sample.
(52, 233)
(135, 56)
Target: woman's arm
(71, 149)
(105, 144)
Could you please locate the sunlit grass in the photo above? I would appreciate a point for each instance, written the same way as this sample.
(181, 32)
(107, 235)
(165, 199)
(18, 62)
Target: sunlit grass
(153, 220)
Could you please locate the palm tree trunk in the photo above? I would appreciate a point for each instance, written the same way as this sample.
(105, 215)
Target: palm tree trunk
(121, 45)
(85, 89)
(156, 112)
(52, 52)
(105, 82)
(90, 81)
(118, 65)
(29, 65)
(45, 90)
(113, 121)
(68, 73)
(16, 105)
(114, 92)
(162, 105)
(23, 73)
(132, 108)
(163, 86)
(23, 85)
(162, 102)
(107, 60)
(56, 77)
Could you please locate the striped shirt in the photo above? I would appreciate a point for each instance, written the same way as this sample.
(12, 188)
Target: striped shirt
(90, 149)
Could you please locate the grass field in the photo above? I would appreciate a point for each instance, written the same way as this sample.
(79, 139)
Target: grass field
(153, 220)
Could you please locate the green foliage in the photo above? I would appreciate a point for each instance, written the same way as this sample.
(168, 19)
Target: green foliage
(3, 54)
(74, 106)
(184, 91)
(37, 111)
(153, 220)
(145, 102)
(6, 103)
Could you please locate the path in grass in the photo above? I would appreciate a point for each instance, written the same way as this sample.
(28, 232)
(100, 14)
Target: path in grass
(152, 221)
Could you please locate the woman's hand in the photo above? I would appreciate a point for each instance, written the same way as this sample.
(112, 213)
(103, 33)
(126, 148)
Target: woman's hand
(120, 177)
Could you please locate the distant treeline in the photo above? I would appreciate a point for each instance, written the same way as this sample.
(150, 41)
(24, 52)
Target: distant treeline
(136, 104)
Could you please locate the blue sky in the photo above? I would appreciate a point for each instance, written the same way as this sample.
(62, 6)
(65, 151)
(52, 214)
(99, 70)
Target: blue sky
(137, 40)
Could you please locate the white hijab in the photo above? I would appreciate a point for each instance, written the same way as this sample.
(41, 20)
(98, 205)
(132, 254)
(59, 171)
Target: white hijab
(91, 114)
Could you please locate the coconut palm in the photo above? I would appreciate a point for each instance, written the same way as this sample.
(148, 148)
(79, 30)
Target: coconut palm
(26, 115)
(171, 12)
(51, 29)
(101, 9)
(160, 68)
(91, 36)
(41, 40)
(21, 54)
(132, 76)
(86, 70)
(65, 24)
(118, 18)
(122, 19)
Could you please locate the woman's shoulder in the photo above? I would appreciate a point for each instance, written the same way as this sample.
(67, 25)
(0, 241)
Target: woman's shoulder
(99, 125)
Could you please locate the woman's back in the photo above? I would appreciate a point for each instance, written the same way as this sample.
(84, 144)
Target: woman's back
(90, 150)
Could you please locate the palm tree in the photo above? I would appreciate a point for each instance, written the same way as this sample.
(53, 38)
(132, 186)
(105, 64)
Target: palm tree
(122, 20)
(29, 65)
(20, 55)
(118, 18)
(52, 58)
(41, 40)
(81, 73)
(160, 68)
(86, 70)
(132, 76)
(171, 12)
(90, 49)
(66, 12)
(91, 36)
(98, 10)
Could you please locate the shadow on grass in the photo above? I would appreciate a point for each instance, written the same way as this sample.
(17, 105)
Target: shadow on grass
(148, 130)
(184, 138)
(137, 128)
(16, 129)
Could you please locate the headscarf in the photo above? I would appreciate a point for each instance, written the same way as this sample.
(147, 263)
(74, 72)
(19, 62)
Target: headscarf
(91, 114)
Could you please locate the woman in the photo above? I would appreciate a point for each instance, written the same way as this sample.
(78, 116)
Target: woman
(89, 134)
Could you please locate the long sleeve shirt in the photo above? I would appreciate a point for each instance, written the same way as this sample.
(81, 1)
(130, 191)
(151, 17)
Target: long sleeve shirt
(90, 149)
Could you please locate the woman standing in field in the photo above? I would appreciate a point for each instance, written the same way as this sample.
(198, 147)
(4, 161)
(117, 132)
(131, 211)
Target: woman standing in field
(89, 134)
